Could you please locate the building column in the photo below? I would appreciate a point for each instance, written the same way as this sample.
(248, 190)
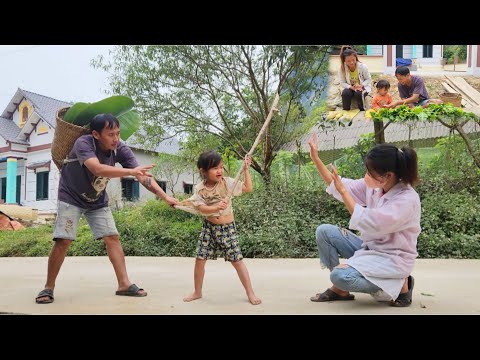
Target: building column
(414, 52)
(473, 60)
(11, 181)
(389, 59)
(369, 50)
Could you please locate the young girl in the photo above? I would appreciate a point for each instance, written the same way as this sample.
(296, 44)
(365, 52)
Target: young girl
(382, 98)
(218, 231)
(386, 210)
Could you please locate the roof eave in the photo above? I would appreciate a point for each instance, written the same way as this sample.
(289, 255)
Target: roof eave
(12, 105)
(29, 125)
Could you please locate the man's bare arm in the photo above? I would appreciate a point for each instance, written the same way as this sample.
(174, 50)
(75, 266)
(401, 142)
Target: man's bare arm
(151, 185)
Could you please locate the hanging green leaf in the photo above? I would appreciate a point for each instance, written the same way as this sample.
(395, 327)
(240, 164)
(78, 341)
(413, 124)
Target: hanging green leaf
(129, 123)
(73, 112)
(121, 107)
(115, 105)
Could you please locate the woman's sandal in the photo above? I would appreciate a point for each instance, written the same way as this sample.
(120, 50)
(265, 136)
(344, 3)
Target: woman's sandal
(330, 295)
(405, 299)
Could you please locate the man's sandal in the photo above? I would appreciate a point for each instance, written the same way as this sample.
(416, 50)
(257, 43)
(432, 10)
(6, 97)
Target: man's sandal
(330, 295)
(45, 293)
(133, 290)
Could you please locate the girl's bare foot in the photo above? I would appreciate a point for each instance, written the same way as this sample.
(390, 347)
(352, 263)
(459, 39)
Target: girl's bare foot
(254, 300)
(192, 297)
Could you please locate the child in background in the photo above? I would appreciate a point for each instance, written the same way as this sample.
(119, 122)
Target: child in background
(219, 233)
(383, 97)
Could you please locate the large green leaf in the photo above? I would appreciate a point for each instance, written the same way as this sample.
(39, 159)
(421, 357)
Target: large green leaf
(73, 112)
(129, 123)
(115, 105)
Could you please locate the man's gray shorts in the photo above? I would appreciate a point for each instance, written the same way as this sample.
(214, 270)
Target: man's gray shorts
(100, 220)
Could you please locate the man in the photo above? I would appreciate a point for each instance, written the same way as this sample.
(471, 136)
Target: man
(81, 191)
(411, 89)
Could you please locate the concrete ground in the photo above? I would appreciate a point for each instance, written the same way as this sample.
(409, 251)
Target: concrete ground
(86, 285)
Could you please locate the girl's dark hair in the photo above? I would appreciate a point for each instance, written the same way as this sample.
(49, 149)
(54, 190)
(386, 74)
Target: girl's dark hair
(99, 122)
(383, 158)
(208, 160)
(382, 84)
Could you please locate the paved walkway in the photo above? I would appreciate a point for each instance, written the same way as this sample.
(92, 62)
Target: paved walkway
(86, 285)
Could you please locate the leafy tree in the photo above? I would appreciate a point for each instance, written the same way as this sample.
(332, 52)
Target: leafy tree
(449, 51)
(361, 49)
(170, 167)
(452, 117)
(194, 145)
(351, 164)
(222, 90)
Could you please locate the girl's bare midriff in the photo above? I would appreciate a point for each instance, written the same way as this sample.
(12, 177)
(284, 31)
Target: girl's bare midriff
(220, 220)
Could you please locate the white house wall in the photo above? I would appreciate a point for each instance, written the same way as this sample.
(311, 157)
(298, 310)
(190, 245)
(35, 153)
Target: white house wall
(114, 187)
(376, 50)
(36, 139)
(41, 139)
(145, 158)
(16, 117)
(407, 51)
(49, 205)
(17, 147)
(473, 60)
(3, 168)
(28, 192)
(435, 60)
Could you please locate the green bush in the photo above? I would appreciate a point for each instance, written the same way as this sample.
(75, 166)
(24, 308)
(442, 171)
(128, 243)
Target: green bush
(280, 221)
(450, 224)
(277, 221)
(449, 51)
(156, 229)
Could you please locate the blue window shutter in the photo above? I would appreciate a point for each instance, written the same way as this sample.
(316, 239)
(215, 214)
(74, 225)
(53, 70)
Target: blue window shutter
(3, 195)
(19, 182)
(39, 186)
(136, 189)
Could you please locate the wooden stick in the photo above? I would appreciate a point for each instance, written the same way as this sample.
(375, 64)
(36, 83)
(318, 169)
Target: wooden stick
(257, 140)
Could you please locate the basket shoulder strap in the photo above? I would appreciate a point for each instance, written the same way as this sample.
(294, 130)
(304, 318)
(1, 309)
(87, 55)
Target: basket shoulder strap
(67, 160)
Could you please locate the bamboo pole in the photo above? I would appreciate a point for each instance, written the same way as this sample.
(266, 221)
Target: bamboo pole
(257, 140)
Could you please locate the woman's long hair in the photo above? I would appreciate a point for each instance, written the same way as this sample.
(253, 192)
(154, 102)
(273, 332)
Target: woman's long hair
(346, 50)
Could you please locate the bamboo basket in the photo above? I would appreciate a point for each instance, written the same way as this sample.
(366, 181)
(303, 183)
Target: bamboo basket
(65, 136)
(452, 98)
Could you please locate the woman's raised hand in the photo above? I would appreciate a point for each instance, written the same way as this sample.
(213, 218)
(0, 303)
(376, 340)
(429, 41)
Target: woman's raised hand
(313, 143)
(337, 181)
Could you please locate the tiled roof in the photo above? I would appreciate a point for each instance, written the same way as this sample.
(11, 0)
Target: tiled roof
(45, 106)
(9, 131)
(168, 146)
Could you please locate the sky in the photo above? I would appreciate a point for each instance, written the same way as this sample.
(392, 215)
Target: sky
(62, 72)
